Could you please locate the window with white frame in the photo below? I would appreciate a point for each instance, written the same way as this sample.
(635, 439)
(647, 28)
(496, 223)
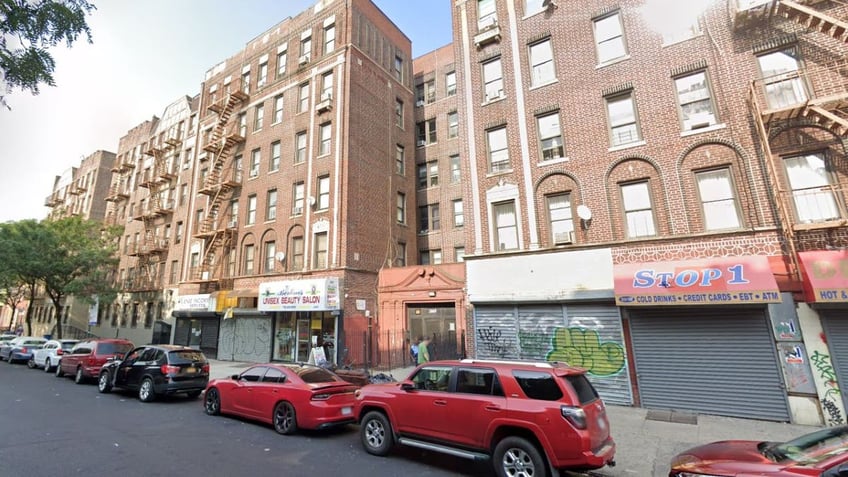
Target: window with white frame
(505, 226)
(271, 207)
(303, 98)
(323, 192)
(419, 94)
(638, 212)
(399, 113)
(249, 257)
(306, 47)
(278, 109)
(783, 83)
(282, 58)
(329, 38)
(493, 80)
(425, 132)
(296, 254)
(450, 83)
(255, 159)
(433, 173)
(270, 252)
(453, 124)
(718, 203)
(532, 6)
(459, 254)
(561, 218)
(398, 68)
(401, 208)
(429, 219)
(263, 75)
(298, 198)
(400, 160)
(430, 91)
(251, 209)
(245, 83)
(550, 136)
(695, 101)
(324, 146)
(242, 122)
(320, 255)
(624, 125)
(812, 188)
(458, 216)
(300, 147)
(498, 151)
(487, 16)
(542, 62)
(436, 257)
(455, 170)
(274, 165)
(234, 214)
(327, 86)
(609, 38)
(688, 28)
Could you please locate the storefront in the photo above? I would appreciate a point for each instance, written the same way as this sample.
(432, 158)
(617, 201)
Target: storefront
(307, 319)
(825, 277)
(701, 335)
(197, 323)
(553, 316)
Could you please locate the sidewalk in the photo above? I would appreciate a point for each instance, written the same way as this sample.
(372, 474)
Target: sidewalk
(646, 440)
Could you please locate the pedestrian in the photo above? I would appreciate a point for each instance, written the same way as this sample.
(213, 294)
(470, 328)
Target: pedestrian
(413, 351)
(423, 350)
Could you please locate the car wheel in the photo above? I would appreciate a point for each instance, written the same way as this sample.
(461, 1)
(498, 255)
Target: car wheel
(145, 391)
(104, 382)
(31, 363)
(193, 394)
(212, 402)
(376, 433)
(59, 372)
(47, 367)
(285, 420)
(78, 377)
(518, 457)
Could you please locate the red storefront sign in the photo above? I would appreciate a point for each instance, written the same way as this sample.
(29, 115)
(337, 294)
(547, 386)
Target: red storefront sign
(825, 274)
(712, 281)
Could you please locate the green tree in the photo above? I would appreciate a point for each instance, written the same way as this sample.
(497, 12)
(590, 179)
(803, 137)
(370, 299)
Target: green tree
(19, 253)
(12, 290)
(27, 29)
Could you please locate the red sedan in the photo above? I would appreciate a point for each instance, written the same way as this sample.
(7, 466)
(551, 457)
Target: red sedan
(287, 395)
(822, 453)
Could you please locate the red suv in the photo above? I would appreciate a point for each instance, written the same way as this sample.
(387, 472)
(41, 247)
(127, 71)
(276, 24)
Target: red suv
(527, 417)
(87, 357)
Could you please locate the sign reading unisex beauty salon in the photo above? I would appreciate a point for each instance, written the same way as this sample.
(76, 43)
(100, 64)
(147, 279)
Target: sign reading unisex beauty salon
(714, 281)
(300, 295)
(825, 275)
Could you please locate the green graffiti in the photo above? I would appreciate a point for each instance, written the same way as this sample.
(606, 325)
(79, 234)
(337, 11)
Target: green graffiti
(826, 372)
(582, 347)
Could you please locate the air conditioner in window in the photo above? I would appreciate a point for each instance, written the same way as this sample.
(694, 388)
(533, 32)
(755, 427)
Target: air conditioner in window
(326, 96)
(254, 172)
(233, 223)
(298, 210)
(420, 102)
(698, 121)
(486, 23)
(564, 237)
(493, 95)
(421, 142)
(303, 59)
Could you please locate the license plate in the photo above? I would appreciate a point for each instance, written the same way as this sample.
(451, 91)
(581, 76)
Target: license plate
(346, 411)
(191, 370)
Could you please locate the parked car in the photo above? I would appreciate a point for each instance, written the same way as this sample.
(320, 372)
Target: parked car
(289, 396)
(20, 349)
(4, 342)
(48, 356)
(88, 356)
(7, 337)
(156, 370)
(527, 417)
(821, 453)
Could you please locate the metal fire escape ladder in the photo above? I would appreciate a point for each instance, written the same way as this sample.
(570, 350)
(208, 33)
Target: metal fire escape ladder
(813, 19)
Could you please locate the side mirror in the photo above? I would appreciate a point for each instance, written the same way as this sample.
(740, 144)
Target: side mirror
(234, 377)
(407, 386)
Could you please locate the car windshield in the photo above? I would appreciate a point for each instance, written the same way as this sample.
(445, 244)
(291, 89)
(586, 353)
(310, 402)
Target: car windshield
(811, 448)
(185, 357)
(68, 345)
(113, 348)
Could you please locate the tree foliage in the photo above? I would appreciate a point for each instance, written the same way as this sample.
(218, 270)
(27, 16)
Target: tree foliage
(28, 28)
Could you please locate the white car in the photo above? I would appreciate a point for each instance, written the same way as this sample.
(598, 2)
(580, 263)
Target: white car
(48, 356)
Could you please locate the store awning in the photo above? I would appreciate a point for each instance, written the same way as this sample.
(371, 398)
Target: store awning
(825, 275)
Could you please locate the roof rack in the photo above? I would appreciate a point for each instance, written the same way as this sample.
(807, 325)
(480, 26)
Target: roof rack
(538, 364)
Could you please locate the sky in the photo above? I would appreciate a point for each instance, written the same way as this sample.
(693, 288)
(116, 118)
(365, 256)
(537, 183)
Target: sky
(145, 55)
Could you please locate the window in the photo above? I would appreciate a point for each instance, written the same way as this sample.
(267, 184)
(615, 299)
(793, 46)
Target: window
(621, 112)
(506, 226)
(178, 236)
(695, 102)
(783, 84)
(424, 257)
(433, 173)
(271, 207)
(270, 251)
(303, 102)
(329, 38)
(175, 268)
(251, 209)
(433, 378)
(324, 193)
(538, 385)
(183, 194)
(715, 189)
(436, 257)
(282, 58)
(498, 152)
(450, 83)
(327, 86)
(245, 83)
(300, 148)
(255, 159)
(274, 165)
(398, 113)
(428, 218)
(242, 122)
(320, 256)
(812, 190)
(458, 217)
(532, 6)
(263, 75)
(638, 213)
(296, 262)
(688, 28)
(493, 80)
(249, 255)
(486, 14)
(234, 213)
(400, 260)
(401, 208)
(398, 68)
(298, 199)
(306, 46)
(422, 176)
(400, 160)
(455, 171)
(478, 381)
(561, 219)
(324, 145)
(542, 63)
(278, 109)
(609, 38)
(459, 254)
(425, 132)
(453, 125)
(550, 136)
(430, 91)
(419, 95)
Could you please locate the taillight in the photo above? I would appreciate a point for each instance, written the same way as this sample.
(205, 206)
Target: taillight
(23, 350)
(575, 415)
(59, 352)
(205, 368)
(168, 369)
(320, 397)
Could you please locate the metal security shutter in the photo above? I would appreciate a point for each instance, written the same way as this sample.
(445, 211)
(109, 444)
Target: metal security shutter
(835, 326)
(209, 337)
(614, 388)
(182, 331)
(716, 361)
(496, 332)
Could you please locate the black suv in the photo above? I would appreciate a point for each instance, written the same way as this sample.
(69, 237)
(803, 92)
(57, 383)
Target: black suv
(155, 370)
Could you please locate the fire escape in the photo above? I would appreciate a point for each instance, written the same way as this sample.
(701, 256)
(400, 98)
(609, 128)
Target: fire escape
(218, 231)
(813, 95)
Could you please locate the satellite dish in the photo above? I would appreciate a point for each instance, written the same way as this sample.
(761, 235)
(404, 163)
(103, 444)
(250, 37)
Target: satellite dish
(280, 256)
(311, 200)
(584, 212)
